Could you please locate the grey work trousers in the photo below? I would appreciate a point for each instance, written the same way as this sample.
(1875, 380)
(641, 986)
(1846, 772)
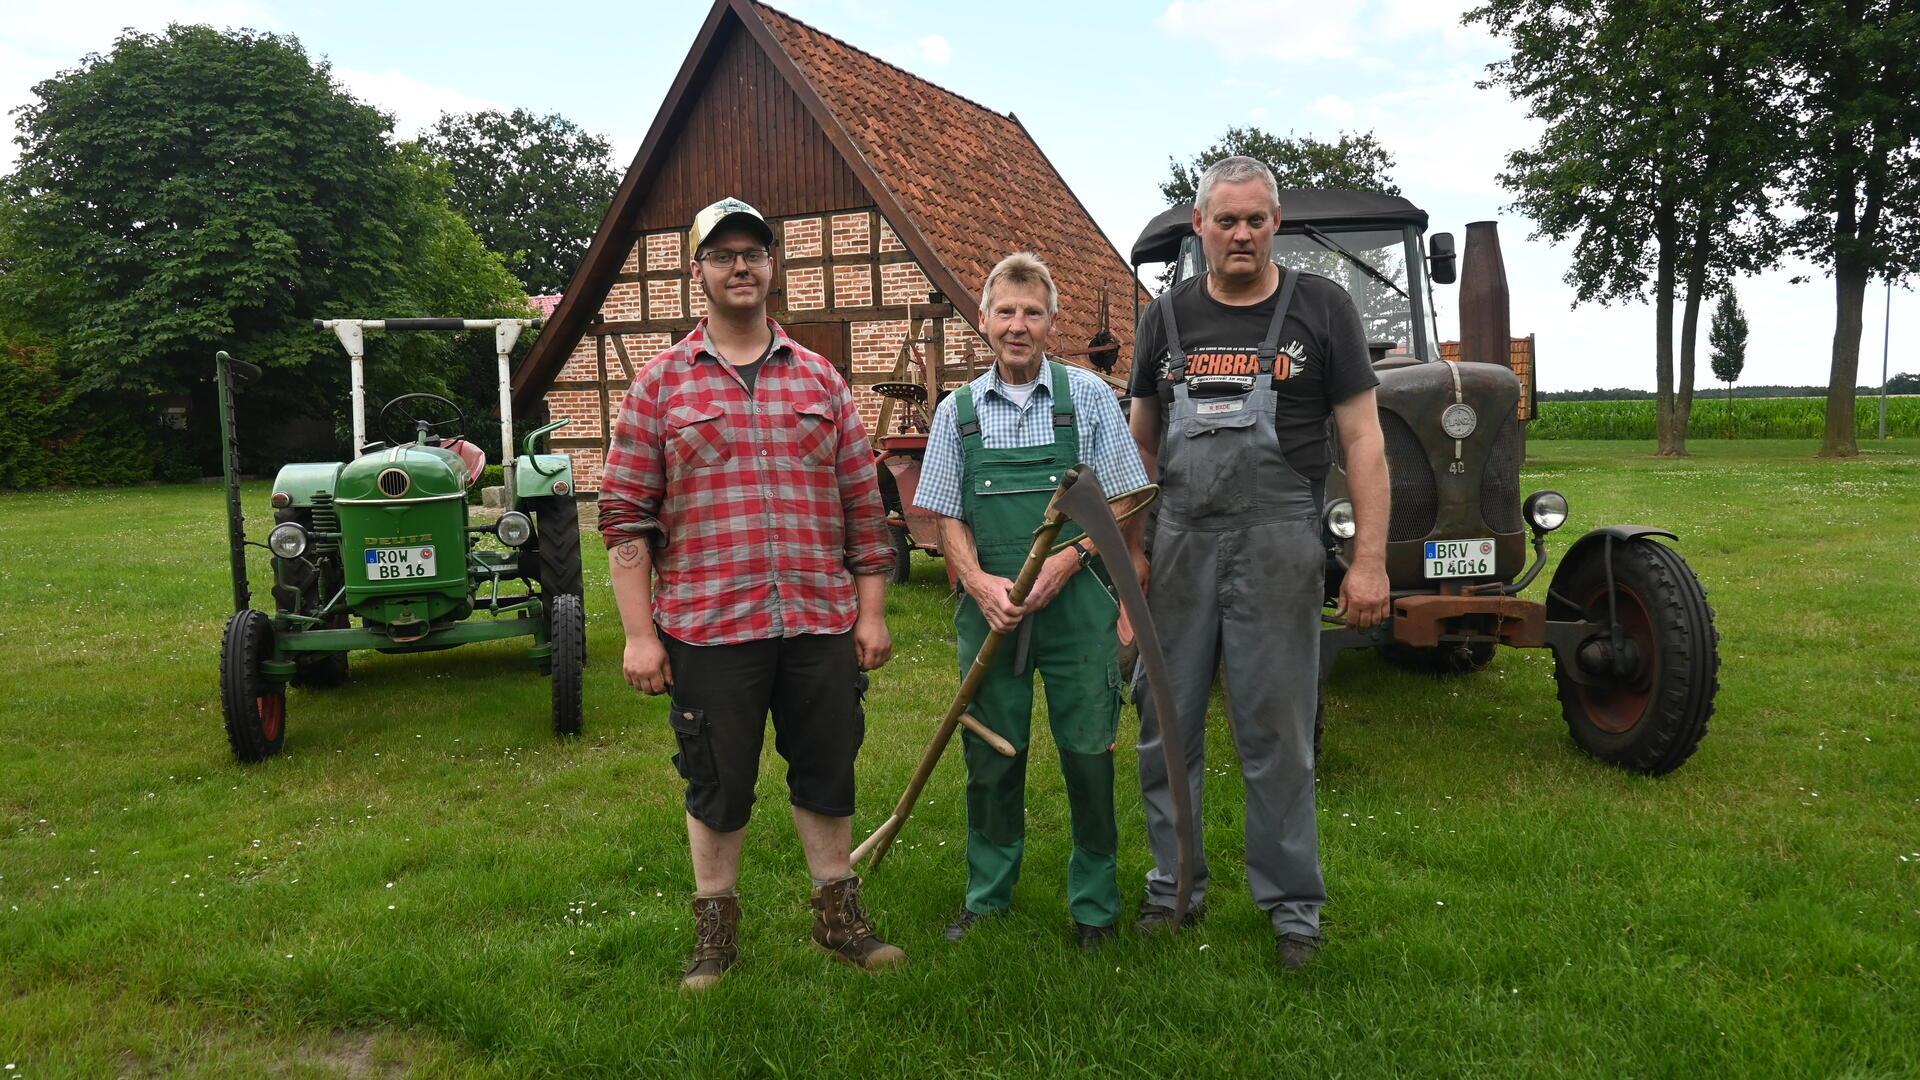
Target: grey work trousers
(1245, 601)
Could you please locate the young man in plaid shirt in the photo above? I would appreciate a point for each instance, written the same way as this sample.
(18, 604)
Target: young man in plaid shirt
(740, 474)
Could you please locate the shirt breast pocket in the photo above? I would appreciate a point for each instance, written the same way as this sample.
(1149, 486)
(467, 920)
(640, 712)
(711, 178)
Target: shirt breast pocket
(697, 437)
(816, 433)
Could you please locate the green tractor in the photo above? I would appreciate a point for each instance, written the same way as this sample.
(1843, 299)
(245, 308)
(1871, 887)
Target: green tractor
(385, 541)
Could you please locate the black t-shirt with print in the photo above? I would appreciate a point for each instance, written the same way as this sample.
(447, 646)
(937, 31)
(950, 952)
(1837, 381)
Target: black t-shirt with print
(1322, 359)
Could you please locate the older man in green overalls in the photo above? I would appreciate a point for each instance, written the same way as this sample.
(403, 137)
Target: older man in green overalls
(997, 451)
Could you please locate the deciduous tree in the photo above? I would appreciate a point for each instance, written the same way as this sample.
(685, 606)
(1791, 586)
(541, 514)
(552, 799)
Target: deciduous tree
(1854, 84)
(1661, 132)
(196, 190)
(533, 187)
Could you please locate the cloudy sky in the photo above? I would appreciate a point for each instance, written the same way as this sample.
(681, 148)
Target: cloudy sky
(1110, 90)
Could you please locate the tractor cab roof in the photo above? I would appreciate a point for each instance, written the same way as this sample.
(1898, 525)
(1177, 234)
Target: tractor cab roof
(1325, 208)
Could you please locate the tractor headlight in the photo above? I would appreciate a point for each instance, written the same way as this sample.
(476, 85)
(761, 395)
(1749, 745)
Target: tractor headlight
(1547, 510)
(287, 540)
(514, 528)
(1339, 519)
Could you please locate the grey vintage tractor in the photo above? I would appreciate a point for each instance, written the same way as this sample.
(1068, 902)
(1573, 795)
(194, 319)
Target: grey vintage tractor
(381, 552)
(1635, 650)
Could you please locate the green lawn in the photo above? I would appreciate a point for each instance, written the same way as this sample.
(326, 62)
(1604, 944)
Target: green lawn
(428, 883)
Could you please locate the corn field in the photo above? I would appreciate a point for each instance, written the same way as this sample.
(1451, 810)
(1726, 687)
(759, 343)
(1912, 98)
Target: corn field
(1751, 418)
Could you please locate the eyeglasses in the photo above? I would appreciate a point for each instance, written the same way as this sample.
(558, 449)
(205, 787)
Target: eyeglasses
(722, 259)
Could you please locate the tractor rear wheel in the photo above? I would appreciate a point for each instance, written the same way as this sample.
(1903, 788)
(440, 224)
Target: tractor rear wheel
(1650, 708)
(254, 706)
(1456, 658)
(567, 635)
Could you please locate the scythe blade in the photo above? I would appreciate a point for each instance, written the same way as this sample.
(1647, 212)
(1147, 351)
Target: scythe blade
(1083, 501)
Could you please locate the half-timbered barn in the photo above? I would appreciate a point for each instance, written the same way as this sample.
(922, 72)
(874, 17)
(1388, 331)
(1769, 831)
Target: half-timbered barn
(891, 199)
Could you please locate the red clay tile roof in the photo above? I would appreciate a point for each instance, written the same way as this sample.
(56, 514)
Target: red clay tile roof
(973, 181)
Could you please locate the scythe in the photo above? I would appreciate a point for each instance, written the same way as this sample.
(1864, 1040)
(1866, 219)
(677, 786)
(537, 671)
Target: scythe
(1079, 499)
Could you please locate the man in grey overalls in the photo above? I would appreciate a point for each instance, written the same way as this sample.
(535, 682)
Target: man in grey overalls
(1235, 374)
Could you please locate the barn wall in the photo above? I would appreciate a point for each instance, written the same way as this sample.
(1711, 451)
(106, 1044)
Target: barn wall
(842, 279)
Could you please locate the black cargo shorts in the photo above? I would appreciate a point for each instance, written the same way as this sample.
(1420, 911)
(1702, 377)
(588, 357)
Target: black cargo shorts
(722, 694)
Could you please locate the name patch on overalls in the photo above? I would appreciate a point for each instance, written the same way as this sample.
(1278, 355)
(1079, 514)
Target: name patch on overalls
(1216, 408)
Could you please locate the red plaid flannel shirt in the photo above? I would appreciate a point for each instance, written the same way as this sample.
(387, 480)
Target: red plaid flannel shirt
(759, 509)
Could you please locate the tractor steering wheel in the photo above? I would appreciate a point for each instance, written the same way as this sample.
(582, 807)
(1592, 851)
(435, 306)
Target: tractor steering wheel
(419, 423)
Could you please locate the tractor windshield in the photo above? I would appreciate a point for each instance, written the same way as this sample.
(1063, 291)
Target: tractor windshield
(1397, 314)
(1386, 311)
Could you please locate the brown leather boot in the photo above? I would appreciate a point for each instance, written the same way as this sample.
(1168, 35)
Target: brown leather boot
(841, 927)
(716, 940)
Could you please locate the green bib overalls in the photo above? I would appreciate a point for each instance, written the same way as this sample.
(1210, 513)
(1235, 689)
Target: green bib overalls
(1004, 494)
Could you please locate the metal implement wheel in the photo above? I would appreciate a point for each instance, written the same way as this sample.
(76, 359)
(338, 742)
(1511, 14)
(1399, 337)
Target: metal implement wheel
(255, 707)
(1645, 705)
(1457, 658)
(567, 634)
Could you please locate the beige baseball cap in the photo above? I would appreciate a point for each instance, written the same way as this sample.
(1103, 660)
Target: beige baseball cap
(728, 211)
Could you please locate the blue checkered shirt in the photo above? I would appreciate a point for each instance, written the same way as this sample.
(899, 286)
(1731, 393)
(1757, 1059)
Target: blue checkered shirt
(1105, 441)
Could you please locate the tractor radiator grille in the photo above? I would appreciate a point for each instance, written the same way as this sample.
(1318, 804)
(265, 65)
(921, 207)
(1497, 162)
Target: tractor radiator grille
(1416, 502)
(1500, 483)
(325, 518)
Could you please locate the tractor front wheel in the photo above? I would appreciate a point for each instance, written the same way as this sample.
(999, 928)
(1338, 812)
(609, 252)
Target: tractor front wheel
(255, 707)
(567, 636)
(557, 520)
(1643, 706)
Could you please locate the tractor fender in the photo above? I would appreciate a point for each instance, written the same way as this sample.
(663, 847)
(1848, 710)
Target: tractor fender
(302, 481)
(534, 475)
(1597, 536)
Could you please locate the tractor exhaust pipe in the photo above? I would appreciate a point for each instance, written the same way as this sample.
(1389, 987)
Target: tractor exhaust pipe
(1486, 321)
(1486, 308)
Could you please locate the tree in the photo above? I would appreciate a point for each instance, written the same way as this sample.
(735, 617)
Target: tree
(1854, 82)
(198, 190)
(1728, 338)
(1356, 161)
(1660, 125)
(534, 188)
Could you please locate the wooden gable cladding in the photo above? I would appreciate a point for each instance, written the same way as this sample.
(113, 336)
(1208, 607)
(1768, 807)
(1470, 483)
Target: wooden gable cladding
(747, 134)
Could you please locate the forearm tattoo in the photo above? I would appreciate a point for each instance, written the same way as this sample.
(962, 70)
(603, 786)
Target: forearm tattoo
(630, 553)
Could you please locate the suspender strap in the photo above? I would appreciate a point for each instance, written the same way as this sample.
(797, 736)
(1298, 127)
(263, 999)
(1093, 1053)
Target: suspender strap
(1176, 355)
(1270, 348)
(966, 419)
(1062, 396)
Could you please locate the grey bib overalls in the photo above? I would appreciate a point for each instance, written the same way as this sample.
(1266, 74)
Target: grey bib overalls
(1236, 586)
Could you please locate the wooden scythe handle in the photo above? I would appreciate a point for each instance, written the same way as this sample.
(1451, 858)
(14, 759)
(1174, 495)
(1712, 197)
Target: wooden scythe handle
(1043, 537)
